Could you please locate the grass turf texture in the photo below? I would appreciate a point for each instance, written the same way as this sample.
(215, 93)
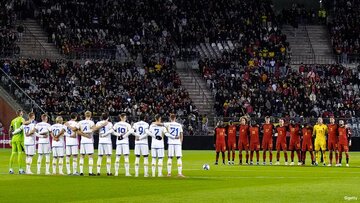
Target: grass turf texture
(219, 184)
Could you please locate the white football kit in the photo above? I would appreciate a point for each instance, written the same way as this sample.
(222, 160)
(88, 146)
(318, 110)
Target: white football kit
(142, 145)
(122, 145)
(43, 143)
(58, 146)
(29, 141)
(72, 143)
(174, 144)
(157, 146)
(105, 144)
(86, 144)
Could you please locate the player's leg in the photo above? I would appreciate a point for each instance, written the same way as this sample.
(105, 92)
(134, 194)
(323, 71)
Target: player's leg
(137, 159)
(47, 159)
(336, 155)
(331, 149)
(61, 164)
(54, 160)
(68, 153)
(298, 153)
(340, 153)
(117, 159)
(233, 153)
(30, 151)
(223, 153)
(228, 152)
(284, 148)
(257, 153)
(264, 149)
(251, 154)
(14, 151)
(323, 149)
(81, 159)
(317, 150)
(247, 153)
(278, 147)
(101, 152)
(75, 152)
(347, 155)
(160, 156)
(126, 151)
(178, 154)
(240, 145)
(40, 156)
(292, 153)
(153, 161)
(144, 150)
(171, 154)
(20, 156)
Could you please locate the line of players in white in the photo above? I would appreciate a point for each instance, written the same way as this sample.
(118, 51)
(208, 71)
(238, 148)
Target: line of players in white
(65, 142)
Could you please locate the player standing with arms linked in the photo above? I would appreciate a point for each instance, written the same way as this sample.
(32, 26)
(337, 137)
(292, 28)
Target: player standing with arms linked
(294, 129)
(243, 139)
(43, 131)
(141, 145)
(333, 141)
(320, 130)
(57, 133)
(344, 141)
(72, 143)
(281, 141)
(254, 141)
(105, 143)
(175, 139)
(267, 140)
(307, 143)
(219, 138)
(231, 135)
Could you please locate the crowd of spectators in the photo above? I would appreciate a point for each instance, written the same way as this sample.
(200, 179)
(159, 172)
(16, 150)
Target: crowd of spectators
(8, 33)
(311, 91)
(345, 27)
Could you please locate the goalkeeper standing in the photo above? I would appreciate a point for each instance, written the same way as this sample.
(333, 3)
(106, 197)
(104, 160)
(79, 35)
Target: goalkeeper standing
(320, 130)
(16, 141)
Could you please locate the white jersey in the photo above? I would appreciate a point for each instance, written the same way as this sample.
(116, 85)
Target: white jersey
(157, 131)
(105, 131)
(122, 128)
(174, 129)
(41, 128)
(85, 126)
(29, 140)
(56, 130)
(71, 141)
(139, 128)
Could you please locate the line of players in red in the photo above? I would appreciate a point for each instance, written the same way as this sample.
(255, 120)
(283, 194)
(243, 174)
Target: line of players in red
(249, 140)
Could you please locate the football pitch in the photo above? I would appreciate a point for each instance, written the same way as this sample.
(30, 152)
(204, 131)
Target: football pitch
(222, 183)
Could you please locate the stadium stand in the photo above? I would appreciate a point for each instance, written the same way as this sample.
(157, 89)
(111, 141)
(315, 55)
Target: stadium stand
(8, 32)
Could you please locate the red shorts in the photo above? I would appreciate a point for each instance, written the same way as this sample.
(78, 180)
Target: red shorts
(281, 146)
(231, 145)
(294, 146)
(332, 145)
(243, 145)
(307, 146)
(343, 147)
(220, 147)
(254, 146)
(267, 144)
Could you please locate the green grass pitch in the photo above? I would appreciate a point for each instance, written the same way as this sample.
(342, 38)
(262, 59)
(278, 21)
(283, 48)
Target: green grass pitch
(221, 183)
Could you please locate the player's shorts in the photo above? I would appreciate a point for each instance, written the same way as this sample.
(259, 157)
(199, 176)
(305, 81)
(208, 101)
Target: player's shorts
(87, 148)
(141, 149)
(320, 144)
(254, 146)
(231, 145)
(58, 151)
(267, 144)
(243, 145)
(104, 149)
(72, 150)
(174, 150)
(306, 146)
(294, 146)
(332, 145)
(343, 147)
(17, 146)
(220, 147)
(122, 149)
(157, 152)
(30, 150)
(281, 145)
(43, 148)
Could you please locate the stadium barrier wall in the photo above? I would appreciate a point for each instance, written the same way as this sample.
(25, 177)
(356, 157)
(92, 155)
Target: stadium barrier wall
(207, 142)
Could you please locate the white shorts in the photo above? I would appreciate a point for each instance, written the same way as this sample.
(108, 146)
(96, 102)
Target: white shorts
(157, 152)
(174, 150)
(122, 149)
(105, 149)
(58, 151)
(141, 149)
(44, 148)
(30, 150)
(87, 148)
(72, 150)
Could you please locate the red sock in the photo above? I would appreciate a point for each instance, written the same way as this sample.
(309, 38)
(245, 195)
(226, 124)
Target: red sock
(251, 155)
(257, 156)
(292, 156)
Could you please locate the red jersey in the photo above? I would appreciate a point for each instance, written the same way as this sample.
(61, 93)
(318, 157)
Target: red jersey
(268, 131)
(244, 133)
(220, 134)
(281, 133)
(294, 133)
(254, 134)
(307, 134)
(231, 134)
(344, 134)
(332, 132)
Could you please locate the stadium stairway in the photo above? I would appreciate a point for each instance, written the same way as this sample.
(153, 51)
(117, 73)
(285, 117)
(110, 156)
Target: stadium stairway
(309, 44)
(199, 93)
(35, 42)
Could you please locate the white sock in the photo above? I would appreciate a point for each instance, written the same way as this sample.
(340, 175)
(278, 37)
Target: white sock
(81, 162)
(54, 162)
(179, 163)
(74, 164)
(117, 164)
(127, 165)
(27, 164)
(99, 160)
(91, 163)
(160, 166)
(47, 164)
(169, 165)
(39, 163)
(153, 167)
(61, 163)
(137, 160)
(108, 164)
(30, 162)
(68, 165)
(146, 166)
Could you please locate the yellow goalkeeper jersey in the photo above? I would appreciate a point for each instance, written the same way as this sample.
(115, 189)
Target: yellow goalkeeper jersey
(320, 131)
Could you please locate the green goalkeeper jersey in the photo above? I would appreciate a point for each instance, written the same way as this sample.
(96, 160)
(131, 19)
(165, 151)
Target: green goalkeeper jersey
(15, 124)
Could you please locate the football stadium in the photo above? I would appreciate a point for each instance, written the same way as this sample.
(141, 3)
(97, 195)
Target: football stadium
(179, 101)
